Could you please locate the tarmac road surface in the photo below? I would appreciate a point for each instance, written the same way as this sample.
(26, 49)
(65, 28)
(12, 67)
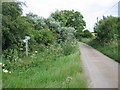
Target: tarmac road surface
(101, 71)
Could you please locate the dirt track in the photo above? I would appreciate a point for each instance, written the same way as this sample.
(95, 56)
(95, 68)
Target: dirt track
(101, 71)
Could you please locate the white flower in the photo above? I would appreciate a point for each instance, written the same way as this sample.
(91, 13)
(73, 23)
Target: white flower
(21, 48)
(15, 59)
(9, 72)
(3, 65)
(36, 51)
(0, 64)
(69, 79)
(9, 56)
(6, 71)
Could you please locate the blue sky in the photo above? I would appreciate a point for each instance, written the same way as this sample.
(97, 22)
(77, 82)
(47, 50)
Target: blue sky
(90, 9)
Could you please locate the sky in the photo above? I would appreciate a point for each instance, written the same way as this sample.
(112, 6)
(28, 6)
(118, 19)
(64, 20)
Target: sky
(90, 9)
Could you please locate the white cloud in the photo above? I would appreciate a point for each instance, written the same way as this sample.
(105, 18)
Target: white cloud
(90, 9)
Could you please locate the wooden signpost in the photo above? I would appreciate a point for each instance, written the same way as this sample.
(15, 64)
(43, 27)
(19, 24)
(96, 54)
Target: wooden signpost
(26, 41)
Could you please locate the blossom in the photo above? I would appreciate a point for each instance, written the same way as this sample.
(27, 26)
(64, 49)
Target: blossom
(3, 65)
(9, 56)
(68, 79)
(21, 48)
(0, 64)
(6, 71)
(36, 51)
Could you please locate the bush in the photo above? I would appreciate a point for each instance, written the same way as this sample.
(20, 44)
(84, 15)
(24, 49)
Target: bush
(69, 47)
(65, 33)
(107, 29)
(44, 36)
(11, 54)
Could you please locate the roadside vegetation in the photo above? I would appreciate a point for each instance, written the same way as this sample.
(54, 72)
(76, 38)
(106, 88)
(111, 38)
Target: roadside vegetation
(45, 70)
(109, 49)
(107, 37)
(54, 58)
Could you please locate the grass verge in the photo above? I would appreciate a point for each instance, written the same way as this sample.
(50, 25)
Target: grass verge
(41, 72)
(109, 49)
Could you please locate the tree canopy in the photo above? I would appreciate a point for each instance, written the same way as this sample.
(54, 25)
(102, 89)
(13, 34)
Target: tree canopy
(70, 18)
(107, 29)
(14, 26)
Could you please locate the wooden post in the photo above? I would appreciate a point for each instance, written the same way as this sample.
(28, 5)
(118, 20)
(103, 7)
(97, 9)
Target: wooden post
(27, 48)
(26, 42)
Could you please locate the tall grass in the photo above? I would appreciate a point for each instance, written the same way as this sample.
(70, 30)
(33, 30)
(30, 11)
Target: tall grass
(0, 77)
(45, 70)
(109, 49)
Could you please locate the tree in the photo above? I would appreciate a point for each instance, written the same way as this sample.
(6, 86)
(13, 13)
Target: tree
(32, 18)
(52, 24)
(40, 24)
(65, 34)
(87, 34)
(14, 26)
(107, 29)
(13, 9)
(70, 19)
